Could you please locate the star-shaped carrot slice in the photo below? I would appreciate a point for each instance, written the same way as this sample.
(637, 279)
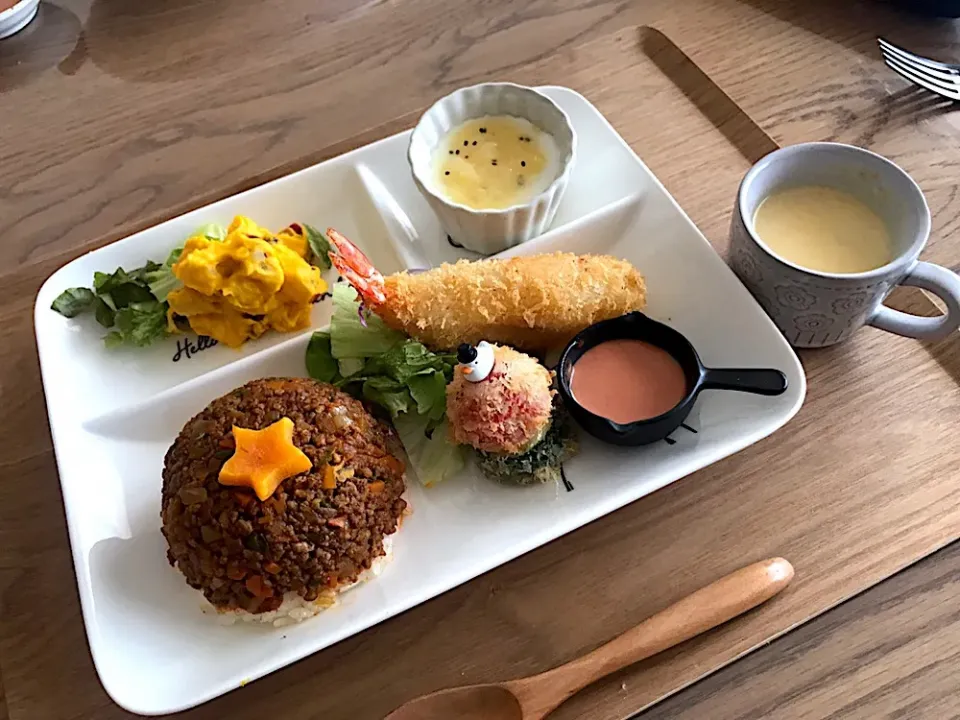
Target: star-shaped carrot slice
(264, 458)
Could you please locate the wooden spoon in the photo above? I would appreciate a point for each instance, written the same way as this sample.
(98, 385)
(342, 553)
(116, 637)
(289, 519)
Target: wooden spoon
(532, 698)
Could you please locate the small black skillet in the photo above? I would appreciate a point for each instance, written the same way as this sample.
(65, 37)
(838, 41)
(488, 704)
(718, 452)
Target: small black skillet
(637, 326)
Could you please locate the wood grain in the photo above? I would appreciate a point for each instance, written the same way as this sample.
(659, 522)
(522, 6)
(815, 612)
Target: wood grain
(135, 120)
(704, 609)
(535, 697)
(890, 653)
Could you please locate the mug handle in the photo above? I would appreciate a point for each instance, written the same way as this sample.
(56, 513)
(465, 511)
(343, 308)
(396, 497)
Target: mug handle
(943, 283)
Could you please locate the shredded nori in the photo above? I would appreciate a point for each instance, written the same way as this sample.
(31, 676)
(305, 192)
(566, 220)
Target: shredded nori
(539, 464)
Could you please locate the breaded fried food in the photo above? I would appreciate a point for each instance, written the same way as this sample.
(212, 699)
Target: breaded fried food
(509, 411)
(532, 303)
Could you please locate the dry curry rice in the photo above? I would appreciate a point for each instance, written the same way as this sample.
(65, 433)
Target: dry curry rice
(319, 532)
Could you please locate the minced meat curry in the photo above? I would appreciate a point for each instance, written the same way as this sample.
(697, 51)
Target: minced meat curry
(318, 531)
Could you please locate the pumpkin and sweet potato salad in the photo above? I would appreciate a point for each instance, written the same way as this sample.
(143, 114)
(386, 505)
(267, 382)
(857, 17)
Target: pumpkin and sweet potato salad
(237, 288)
(231, 284)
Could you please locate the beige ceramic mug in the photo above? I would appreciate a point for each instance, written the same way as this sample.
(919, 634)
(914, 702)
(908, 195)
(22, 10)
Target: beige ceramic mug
(817, 309)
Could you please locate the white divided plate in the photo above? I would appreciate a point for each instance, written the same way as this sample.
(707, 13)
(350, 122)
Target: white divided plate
(114, 413)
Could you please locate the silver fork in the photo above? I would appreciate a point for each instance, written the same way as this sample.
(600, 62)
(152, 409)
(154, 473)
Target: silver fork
(940, 78)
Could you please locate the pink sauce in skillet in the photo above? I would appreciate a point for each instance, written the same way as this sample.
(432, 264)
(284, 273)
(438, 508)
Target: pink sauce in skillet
(627, 380)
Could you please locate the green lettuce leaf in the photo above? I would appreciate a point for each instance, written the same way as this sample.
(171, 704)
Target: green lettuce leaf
(321, 365)
(351, 369)
(103, 283)
(430, 393)
(141, 323)
(431, 454)
(348, 336)
(402, 362)
(319, 248)
(212, 231)
(120, 300)
(162, 281)
(103, 312)
(130, 293)
(399, 374)
(74, 301)
(120, 288)
(389, 394)
(140, 274)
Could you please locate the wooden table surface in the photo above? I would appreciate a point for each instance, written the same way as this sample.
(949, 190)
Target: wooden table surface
(887, 653)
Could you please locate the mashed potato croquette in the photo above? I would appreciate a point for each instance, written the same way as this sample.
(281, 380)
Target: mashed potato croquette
(250, 282)
(507, 413)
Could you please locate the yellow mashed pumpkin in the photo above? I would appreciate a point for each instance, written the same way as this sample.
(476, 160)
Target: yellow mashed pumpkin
(250, 282)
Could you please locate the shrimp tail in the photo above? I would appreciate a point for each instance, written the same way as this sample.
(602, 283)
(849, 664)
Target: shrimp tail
(356, 268)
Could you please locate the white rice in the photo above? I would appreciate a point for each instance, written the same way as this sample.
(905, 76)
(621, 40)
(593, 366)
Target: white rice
(294, 608)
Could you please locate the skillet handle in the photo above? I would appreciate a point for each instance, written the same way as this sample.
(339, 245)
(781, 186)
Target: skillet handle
(759, 381)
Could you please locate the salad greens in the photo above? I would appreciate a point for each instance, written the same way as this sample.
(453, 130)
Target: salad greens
(139, 323)
(73, 301)
(319, 248)
(121, 301)
(371, 361)
(162, 281)
(132, 304)
(212, 231)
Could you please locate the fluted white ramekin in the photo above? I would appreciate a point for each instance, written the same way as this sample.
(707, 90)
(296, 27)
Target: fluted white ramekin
(490, 231)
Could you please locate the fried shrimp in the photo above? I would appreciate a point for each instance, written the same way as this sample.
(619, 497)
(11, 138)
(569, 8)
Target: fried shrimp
(533, 303)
